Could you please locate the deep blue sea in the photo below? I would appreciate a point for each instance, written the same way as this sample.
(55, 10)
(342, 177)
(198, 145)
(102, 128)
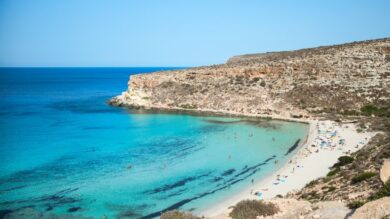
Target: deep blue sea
(64, 150)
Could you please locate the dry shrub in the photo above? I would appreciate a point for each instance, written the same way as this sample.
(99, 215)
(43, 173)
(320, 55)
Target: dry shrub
(250, 209)
(178, 215)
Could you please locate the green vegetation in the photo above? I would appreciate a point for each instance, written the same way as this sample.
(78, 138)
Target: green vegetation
(383, 192)
(312, 183)
(255, 79)
(355, 204)
(349, 113)
(362, 177)
(178, 215)
(386, 127)
(369, 110)
(326, 179)
(333, 172)
(343, 160)
(331, 189)
(250, 209)
(327, 189)
(312, 195)
(188, 106)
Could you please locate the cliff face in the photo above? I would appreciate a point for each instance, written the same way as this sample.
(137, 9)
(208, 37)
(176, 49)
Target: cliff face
(334, 78)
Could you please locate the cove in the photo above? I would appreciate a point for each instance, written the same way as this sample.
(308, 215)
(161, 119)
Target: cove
(66, 151)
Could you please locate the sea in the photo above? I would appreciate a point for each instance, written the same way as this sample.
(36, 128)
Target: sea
(65, 151)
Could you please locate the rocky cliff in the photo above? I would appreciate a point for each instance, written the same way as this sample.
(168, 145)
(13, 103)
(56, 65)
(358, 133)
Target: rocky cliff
(340, 78)
(348, 82)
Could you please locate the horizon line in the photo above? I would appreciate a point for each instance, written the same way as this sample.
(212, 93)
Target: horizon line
(97, 66)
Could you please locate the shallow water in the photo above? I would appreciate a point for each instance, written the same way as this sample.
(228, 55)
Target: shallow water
(64, 150)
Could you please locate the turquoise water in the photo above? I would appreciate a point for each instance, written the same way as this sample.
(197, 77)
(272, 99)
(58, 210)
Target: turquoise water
(64, 150)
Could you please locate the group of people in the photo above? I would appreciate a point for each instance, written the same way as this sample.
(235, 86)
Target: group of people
(326, 137)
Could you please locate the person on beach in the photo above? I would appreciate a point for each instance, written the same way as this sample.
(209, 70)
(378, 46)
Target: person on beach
(253, 181)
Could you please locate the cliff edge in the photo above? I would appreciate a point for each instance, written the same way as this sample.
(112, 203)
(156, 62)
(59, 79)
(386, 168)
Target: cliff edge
(340, 78)
(345, 83)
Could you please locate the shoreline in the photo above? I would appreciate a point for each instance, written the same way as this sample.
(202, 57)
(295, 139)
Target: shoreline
(307, 165)
(223, 208)
(211, 112)
(310, 85)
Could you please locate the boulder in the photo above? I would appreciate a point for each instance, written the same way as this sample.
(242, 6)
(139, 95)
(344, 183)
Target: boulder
(329, 210)
(385, 171)
(376, 209)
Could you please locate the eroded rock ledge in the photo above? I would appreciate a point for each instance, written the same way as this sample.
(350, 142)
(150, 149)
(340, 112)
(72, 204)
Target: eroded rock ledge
(341, 78)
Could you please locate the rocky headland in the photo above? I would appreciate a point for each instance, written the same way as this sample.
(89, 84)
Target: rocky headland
(343, 84)
(339, 79)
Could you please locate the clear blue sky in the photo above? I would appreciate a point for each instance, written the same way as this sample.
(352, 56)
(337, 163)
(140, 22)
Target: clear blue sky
(176, 32)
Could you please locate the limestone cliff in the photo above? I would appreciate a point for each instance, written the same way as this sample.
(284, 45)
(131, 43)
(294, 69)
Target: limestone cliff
(339, 78)
(345, 82)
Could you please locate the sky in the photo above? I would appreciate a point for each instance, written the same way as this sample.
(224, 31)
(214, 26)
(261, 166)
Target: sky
(137, 33)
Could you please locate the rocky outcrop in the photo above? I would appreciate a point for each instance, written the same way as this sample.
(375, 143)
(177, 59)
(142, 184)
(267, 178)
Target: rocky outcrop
(299, 209)
(350, 80)
(339, 183)
(385, 171)
(329, 210)
(375, 209)
(341, 78)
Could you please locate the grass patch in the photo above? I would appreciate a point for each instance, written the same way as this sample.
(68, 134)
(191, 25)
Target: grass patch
(331, 189)
(369, 110)
(333, 172)
(362, 177)
(326, 179)
(383, 192)
(178, 215)
(355, 204)
(250, 209)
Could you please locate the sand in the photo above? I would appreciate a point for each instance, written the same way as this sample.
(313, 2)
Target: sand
(310, 162)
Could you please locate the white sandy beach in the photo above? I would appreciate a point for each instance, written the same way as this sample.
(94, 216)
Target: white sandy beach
(311, 161)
